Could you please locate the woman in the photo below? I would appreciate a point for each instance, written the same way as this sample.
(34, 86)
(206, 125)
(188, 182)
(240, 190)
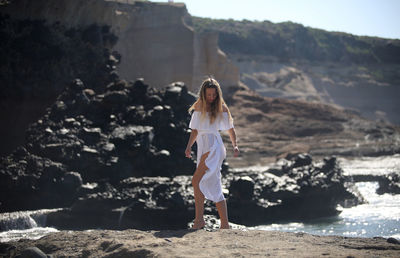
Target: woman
(210, 115)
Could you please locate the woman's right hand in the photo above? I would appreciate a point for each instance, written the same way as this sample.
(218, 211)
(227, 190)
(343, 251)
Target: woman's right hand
(188, 153)
(236, 151)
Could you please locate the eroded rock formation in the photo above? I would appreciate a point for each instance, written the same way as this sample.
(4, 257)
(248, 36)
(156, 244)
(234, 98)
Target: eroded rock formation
(153, 38)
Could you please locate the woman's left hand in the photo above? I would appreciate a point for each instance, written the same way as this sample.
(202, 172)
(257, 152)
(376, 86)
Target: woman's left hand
(188, 153)
(236, 151)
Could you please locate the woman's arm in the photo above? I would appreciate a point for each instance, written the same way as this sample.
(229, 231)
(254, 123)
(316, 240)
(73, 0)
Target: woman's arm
(232, 135)
(191, 141)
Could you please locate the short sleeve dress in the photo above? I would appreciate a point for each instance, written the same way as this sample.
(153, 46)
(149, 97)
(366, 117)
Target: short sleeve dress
(209, 140)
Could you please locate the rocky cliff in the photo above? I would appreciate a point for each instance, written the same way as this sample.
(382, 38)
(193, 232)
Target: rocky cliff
(292, 61)
(153, 38)
(47, 43)
(37, 61)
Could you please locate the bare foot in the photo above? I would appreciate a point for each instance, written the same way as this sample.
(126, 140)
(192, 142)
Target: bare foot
(198, 224)
(225, 226)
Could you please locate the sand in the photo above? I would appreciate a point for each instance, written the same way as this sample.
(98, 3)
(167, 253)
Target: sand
(203, 243)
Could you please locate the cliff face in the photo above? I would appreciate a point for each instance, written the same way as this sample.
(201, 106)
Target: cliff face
(153, 38)
(352, 86)
(37, 62)
(47, 43)
(210, 60)
(292, 61)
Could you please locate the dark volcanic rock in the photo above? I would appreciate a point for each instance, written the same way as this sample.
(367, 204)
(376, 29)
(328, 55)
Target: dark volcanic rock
(389, 184)
(301, 193)
(99, 136)
(37, 60)
(144, 203)
(30, 182)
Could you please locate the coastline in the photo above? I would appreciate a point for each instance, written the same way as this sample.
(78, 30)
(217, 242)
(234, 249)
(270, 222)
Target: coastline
(203, 243)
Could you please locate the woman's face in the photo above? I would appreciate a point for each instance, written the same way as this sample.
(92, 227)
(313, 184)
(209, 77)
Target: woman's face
(211, 95)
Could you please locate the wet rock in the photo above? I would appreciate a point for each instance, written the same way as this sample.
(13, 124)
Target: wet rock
(389, 184)
(298, 193)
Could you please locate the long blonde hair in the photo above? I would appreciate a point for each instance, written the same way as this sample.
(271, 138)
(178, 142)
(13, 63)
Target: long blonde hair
(216, 106)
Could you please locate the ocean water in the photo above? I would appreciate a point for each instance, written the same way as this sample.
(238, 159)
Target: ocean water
(379, 217)
(24, 224)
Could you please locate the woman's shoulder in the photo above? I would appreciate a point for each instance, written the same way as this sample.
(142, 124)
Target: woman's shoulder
(197, 106)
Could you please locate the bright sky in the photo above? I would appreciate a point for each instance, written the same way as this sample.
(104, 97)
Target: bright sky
(360, 17)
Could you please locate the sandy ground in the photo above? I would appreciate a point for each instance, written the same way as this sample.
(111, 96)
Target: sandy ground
(202, 243)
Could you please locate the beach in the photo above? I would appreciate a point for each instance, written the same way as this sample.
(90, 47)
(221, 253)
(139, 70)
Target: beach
(204, 243)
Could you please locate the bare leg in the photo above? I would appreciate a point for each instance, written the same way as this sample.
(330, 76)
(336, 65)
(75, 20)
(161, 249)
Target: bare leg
(198, 195)
(223, 214)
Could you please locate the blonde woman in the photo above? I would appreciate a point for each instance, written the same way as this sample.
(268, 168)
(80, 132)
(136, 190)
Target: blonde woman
(210, 115)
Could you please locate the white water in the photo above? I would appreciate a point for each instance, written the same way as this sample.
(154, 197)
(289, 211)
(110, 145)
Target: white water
(380, 217)
(24, 224)
(370, 165)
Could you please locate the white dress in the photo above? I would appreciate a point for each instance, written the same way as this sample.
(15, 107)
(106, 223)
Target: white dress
(209, 140)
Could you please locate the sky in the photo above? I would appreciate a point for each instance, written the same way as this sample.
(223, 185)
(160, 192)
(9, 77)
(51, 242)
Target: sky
(380, 18)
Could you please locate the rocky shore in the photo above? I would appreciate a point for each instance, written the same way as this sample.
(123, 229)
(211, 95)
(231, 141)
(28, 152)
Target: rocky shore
(109, 152)
(113, 159)
(201, 243)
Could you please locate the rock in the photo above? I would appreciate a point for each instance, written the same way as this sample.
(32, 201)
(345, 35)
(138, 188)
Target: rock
(72, 181)
(113, 76)
(242, 188)
(254, 198)
(302, 160)
(329, 164)
(116, 98)
(89, 93)
(393, 240)
(58, 110)
(76, 86)
(135, 114)
(120, 85)
(128, 136)
(146, 202)
(7, 250)
(298, 193)
(154, 100)
(139, 90)
(389, 184)
(32, 252)
(91, 135)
